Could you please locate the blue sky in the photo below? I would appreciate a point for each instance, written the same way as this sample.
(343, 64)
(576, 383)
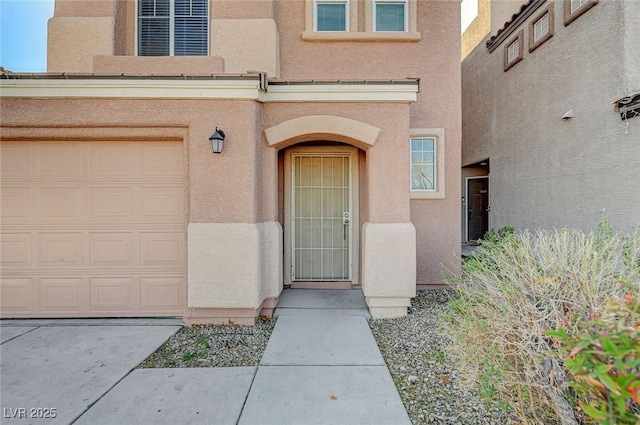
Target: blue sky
(23, 34)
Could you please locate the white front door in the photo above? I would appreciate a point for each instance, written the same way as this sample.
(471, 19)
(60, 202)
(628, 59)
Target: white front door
(321, 217)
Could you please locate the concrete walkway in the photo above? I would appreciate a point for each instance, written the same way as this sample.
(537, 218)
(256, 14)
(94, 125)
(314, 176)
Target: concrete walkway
(321, 366)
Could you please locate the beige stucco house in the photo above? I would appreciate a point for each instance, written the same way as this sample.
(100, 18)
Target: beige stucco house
(550, 100)
(339, 169)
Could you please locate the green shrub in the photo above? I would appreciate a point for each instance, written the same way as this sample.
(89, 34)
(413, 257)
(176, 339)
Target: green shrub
(518, 286)
(603, 355)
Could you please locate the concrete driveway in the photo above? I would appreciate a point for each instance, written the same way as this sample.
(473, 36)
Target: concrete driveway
(52, 371)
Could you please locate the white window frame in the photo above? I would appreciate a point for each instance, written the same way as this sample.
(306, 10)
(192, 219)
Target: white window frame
(439, 163)
(573, 9)
(579, 3)
(406, 13)
(541, 27)
(545, 20)
(171, 28)
(347, 13)
(513, 55)
(513, 51)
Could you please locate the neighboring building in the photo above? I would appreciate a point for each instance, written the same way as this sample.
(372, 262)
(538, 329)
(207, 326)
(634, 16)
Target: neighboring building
(340, 165)
(549, 133)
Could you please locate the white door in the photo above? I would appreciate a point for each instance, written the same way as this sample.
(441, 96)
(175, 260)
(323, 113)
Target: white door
(321, 217)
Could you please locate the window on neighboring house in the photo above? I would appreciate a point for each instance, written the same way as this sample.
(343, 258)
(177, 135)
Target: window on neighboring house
(390, 15)
(575, 8)
(513, 50)
(331, 15)
(577, 4)
(541, 28)
(427, 163)
(173, 27)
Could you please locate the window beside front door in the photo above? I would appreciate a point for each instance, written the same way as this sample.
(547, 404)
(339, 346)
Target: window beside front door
(427, 162)
(173, 27)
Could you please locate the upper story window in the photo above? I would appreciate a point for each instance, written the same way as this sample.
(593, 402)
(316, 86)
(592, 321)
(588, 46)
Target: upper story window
(390, 15)
(361, 20)
(173, 27)
(331, 15)
(574, 8)
(513, 50)
(541, 28)
(577, 4)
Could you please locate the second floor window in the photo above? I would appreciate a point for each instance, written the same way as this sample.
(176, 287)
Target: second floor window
(390, 15)
(332, 15)
(173, 27)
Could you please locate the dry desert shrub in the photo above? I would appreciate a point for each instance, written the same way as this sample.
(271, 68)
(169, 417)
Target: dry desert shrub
(518, 286)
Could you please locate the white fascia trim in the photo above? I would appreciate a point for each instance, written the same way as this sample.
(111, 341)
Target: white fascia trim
(404, 93)
(206, 89)
(134, 88)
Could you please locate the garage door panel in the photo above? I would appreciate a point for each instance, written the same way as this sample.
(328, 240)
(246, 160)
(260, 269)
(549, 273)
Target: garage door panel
(113, 160)
(111, 204)
(120, 294)
(16, 205)
(60, 249)
(161, 159)
(61, 204)
(61, 160)
(161, 204)
(92, 229)
(162, 249)
(111, 249)
(15, 250)
(63, 294)
(17, 295)
(15, 159)
(160, 294)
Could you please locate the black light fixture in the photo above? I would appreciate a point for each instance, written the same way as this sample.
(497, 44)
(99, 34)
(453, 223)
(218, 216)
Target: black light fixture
(217, 141)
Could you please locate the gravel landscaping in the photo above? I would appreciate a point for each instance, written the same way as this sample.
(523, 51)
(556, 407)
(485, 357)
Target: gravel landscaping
(214, 346)
(413, 348)
(428, 383)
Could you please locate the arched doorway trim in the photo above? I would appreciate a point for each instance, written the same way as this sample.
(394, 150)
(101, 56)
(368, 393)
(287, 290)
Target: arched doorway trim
(322, 127)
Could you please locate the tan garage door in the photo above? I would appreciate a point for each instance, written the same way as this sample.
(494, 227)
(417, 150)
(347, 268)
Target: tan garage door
(92, 229)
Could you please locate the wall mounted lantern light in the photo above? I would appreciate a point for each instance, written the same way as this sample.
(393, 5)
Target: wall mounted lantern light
(217, 141)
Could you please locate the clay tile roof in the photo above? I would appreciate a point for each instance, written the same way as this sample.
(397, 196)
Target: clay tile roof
(506, 24)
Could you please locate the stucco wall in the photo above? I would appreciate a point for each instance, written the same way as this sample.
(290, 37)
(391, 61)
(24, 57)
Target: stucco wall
(546, 171)
(434, 58)
(209, 200)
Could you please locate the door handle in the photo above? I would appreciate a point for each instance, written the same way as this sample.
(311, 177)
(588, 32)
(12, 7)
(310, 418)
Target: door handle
(346, 219)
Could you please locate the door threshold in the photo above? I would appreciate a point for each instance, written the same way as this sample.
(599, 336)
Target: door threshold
(322, 285)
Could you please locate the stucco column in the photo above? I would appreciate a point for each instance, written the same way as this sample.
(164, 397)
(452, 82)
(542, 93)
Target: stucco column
(389, 238)
(231, 264)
